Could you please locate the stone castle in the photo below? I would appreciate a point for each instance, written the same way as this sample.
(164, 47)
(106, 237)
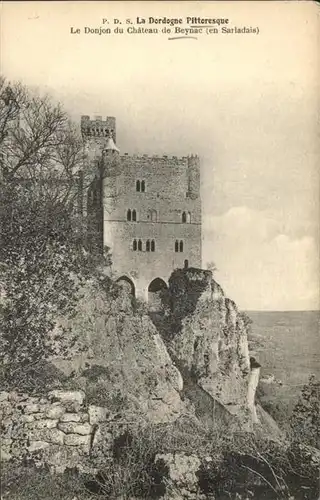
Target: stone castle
(147, 209)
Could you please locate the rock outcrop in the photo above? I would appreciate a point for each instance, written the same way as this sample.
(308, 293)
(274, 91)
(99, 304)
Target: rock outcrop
(125, 363)
(123, 372)
(209, 342)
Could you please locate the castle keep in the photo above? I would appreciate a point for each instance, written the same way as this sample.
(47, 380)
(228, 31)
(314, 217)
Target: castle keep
(147, 209)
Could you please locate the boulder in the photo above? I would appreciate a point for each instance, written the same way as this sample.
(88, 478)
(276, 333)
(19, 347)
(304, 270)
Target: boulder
(75, 428)
(77, 440)
(67, 396)
(26, 419)
(37, 445)
(31, 408)
(182, 472)
(74, 417)
(56, 410)
(42, 424)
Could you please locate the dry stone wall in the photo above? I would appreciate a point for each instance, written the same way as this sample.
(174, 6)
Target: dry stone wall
(59, 430)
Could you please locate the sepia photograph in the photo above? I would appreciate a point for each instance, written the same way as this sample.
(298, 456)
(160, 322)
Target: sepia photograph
(159, 250)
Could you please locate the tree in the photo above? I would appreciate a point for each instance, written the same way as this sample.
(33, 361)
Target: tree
(211, 267)
(305, 416)
(42, 255)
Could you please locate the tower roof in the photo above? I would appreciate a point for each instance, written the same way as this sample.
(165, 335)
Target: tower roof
(110, 145)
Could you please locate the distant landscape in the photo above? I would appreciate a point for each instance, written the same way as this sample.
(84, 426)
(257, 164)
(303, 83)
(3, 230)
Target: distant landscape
(287, 346)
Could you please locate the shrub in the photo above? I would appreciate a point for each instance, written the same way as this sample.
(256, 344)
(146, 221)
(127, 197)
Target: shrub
(305, 416)
(132, 472)
(261, 469)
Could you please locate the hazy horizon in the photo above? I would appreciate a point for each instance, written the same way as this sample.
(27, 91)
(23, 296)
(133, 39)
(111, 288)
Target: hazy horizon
(248, 105)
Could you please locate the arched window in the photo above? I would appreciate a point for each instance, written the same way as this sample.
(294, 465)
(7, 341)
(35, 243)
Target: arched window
(138, 186)
(134, 245)
(188, 217)
(140, 246)
(184, 217)
(153, 215)
(134, 215)
(153, 246)
(176, 246)
(129, 214)
(143, 186)
(186, 264)
(148, 246)
(181, 246)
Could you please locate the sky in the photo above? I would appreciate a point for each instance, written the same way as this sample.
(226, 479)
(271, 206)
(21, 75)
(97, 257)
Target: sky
(247, 104)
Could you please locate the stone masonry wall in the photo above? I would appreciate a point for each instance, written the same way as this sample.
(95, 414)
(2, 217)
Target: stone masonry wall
(58, 430)
(167, 185)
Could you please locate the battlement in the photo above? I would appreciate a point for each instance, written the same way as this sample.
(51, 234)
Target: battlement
(97, 127)
(168, 160)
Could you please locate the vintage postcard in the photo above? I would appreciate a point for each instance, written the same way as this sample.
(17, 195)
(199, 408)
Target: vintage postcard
(159, 250)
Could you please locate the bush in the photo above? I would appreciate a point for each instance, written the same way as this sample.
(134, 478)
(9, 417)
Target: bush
(132, 472)
(305, 416)
(261, 469)
(28, 483)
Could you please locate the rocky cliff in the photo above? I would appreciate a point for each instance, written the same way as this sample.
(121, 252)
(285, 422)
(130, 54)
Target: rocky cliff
(208, 339)
(124, 361)
(191, 362)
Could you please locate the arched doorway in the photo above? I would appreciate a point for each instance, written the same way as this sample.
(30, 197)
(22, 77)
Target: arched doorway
(155, 290)
(126, 285)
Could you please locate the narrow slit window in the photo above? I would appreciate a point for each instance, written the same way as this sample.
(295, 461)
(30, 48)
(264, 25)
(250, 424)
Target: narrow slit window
(184, 217)
(138, 186)
(143, 186)
(153, 246)
(134, 245)
(148, 246)
(134, 215)
(181, 246)
(140, 246)
(129, 215)
(176, 246)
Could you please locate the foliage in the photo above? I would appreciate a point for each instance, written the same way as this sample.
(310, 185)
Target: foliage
(30, 483)
(211, 267)
(43, 261)
(185, 288)
(305, 416)
(132, 471)
(262, 469)
(247, 321)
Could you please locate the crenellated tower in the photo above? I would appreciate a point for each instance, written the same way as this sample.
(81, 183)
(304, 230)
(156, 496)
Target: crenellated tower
(96, 131)
(147, 209)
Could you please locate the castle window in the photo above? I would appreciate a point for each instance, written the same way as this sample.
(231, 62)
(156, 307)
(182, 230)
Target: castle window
(181, 246)
(134, 246)
(134, 215)
(148, 246)
(138, 186)
(129, 215)
(154, 215)
(184, 217)
(143, 186)
(140, 246)
(176, 246)
(153, 246)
